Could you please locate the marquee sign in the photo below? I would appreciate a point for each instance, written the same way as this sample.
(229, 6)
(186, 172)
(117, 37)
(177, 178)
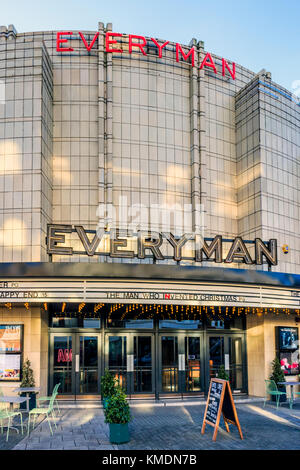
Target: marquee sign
(153, 242)
(37, 291)
(139, 43)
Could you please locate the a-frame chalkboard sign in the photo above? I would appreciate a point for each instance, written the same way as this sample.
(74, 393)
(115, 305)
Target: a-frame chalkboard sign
(219, 401)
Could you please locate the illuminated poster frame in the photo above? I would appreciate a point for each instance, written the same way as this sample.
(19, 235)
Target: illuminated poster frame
(11, 356)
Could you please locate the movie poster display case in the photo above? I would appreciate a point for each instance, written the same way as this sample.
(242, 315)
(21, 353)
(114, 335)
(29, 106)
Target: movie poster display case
(11, 351)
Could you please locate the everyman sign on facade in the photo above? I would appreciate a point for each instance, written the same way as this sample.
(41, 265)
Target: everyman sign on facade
(113, 44)
(121, 244)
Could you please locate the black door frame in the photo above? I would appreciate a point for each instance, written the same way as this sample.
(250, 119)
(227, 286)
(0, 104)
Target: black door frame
(227, 334)
(156, 335)
(75, 334)
(130, 352)
(181, 335)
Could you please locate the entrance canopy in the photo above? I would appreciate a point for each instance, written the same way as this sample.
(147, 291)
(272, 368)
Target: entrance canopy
(146, 284)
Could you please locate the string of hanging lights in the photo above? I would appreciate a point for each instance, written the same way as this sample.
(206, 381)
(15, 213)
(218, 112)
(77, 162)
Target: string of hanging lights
(149, 311)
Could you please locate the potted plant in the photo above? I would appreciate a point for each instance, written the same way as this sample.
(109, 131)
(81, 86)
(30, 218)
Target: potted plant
(28, 381)
(222, 374)
(108, 387)
(278, 376)
(117, 415)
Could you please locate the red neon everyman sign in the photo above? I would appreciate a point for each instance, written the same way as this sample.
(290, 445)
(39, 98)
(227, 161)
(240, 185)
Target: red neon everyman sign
(138, 43)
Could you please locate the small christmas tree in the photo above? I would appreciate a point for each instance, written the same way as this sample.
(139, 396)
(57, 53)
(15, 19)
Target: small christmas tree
(27, 375)
(277, 372)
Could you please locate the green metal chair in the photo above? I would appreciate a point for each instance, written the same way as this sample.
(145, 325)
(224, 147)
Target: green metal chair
(42, 411)
(271, 389)
(54, 392)
(5, 414)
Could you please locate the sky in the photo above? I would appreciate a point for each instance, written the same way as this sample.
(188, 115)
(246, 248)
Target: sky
(254, 33)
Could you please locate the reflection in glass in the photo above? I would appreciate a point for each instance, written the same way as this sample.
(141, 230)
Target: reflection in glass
(142, 363)
(140, 324)
(117, 358)
(192, 357)
(216, 354)
(75, 322)
(222, 322)
(62, 362)
(169, 351)
(91, 323)
(88, 364)
(236, 366)
(181, 324)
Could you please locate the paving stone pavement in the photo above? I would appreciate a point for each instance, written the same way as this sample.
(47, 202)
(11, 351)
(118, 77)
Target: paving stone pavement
(170, 428)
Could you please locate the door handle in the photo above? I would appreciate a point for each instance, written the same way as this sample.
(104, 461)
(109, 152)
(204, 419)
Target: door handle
(76, 362)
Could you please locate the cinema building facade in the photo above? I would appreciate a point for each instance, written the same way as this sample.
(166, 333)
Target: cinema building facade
(149, 215)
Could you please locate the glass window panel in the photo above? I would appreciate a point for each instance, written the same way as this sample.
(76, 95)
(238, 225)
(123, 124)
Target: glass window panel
(216, 354)
(182, 325)
(226, 323)
(169, 349)
(91, 323)
(130, 323)
(88, 364)
(192, 355)
(142, 363)
(62, 361)
(235, 363)
(117, 351)
(117, 358)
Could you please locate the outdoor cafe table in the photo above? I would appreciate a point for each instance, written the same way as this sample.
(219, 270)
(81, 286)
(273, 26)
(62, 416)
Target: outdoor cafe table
(27, 390)
(11, 401)
(292, 385)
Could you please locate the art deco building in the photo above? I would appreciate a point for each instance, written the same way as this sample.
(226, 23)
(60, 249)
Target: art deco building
(149, 215)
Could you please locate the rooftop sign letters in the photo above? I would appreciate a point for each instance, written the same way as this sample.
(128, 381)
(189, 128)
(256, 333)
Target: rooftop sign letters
(113, 44)
(143, 244)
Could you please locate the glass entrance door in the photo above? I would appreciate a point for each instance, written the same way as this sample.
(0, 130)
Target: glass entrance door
(62, 364)
(130, 358)
(142, 350)
(117, 358)
(192, 364)
(87, 377)
(236, 363)
(75, 364)
(169, 363)
(227, 350)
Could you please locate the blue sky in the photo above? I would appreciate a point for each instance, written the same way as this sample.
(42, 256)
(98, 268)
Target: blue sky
(254, 33)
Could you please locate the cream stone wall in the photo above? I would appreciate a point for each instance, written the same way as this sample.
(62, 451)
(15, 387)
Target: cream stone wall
(261, 348)
(35, 346)
(79, 130)
(25, 149)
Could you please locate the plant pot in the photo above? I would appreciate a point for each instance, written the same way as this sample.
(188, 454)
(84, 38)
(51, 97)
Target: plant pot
(118, 433)
(32, 401)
